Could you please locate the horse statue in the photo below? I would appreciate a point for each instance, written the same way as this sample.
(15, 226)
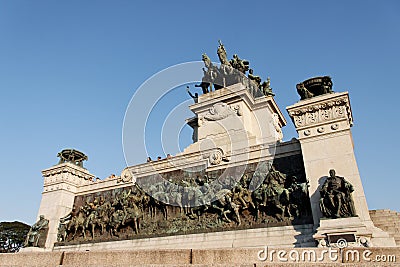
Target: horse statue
(119, 218)
(225, 205)
(78, 222)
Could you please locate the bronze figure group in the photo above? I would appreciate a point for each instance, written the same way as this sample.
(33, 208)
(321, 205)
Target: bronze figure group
(231, 72)
(188, 205)
(200, 204)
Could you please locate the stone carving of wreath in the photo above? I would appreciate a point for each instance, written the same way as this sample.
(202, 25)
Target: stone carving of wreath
(126, 176)
(216, 157)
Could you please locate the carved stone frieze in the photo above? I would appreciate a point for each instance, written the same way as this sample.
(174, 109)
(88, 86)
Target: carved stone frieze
(66, 173)
(329, 110)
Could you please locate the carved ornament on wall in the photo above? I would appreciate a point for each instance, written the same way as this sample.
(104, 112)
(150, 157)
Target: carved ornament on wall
(323, 112)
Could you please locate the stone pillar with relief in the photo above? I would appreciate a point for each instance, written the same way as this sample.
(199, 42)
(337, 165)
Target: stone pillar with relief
(61, 183)
(323, 124)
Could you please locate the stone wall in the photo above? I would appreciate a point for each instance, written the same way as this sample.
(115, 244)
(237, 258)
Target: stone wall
(211, 257)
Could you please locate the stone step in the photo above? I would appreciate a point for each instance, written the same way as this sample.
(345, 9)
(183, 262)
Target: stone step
(396, 217)
(393, 228)
(385, 216)
(388, 226)
(388, 221)
(394, 214)
(390, 229)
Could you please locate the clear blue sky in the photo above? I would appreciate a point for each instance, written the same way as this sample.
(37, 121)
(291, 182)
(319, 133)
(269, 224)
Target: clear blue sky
(69, 68)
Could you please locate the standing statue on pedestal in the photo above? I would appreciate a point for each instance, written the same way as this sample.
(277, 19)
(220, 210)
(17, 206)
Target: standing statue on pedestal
(241, 65)
(266, 88)
(37, 233)
(222, 54)
(255, 78)
(336, 200)
(209, 74)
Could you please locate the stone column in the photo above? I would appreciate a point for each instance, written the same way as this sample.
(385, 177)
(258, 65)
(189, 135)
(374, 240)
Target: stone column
(61, 183)
(323, 124)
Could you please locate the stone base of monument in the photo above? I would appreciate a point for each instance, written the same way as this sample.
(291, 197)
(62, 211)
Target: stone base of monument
(284, 236)
(262, 256)
(352, 232)
(34, 249)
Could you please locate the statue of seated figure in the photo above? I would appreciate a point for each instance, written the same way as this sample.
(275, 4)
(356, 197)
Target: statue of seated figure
(36, 232)
(336, 200)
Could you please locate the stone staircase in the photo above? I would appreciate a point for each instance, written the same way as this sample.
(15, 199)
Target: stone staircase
(388, 221)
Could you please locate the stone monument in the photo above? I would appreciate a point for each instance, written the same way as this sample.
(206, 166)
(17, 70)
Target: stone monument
(237, 186)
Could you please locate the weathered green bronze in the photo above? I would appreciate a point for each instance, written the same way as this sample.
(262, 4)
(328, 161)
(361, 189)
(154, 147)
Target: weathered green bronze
(231, 72)
(131, 212)
(314, 87)
(266, 88)
(336, 200)
(73, 156)
(38, 233)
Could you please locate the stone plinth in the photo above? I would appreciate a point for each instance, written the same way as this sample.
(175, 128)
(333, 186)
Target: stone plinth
(231, 119)
(284, 236)
(323, 124)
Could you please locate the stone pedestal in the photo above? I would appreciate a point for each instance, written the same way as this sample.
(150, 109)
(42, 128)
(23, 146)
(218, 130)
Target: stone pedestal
(323, 124)
(60, 186)
(232, 120)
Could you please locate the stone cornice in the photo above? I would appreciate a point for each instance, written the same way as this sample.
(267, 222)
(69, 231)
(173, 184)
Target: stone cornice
(68, 168)
(197, 159)
(256, 153)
